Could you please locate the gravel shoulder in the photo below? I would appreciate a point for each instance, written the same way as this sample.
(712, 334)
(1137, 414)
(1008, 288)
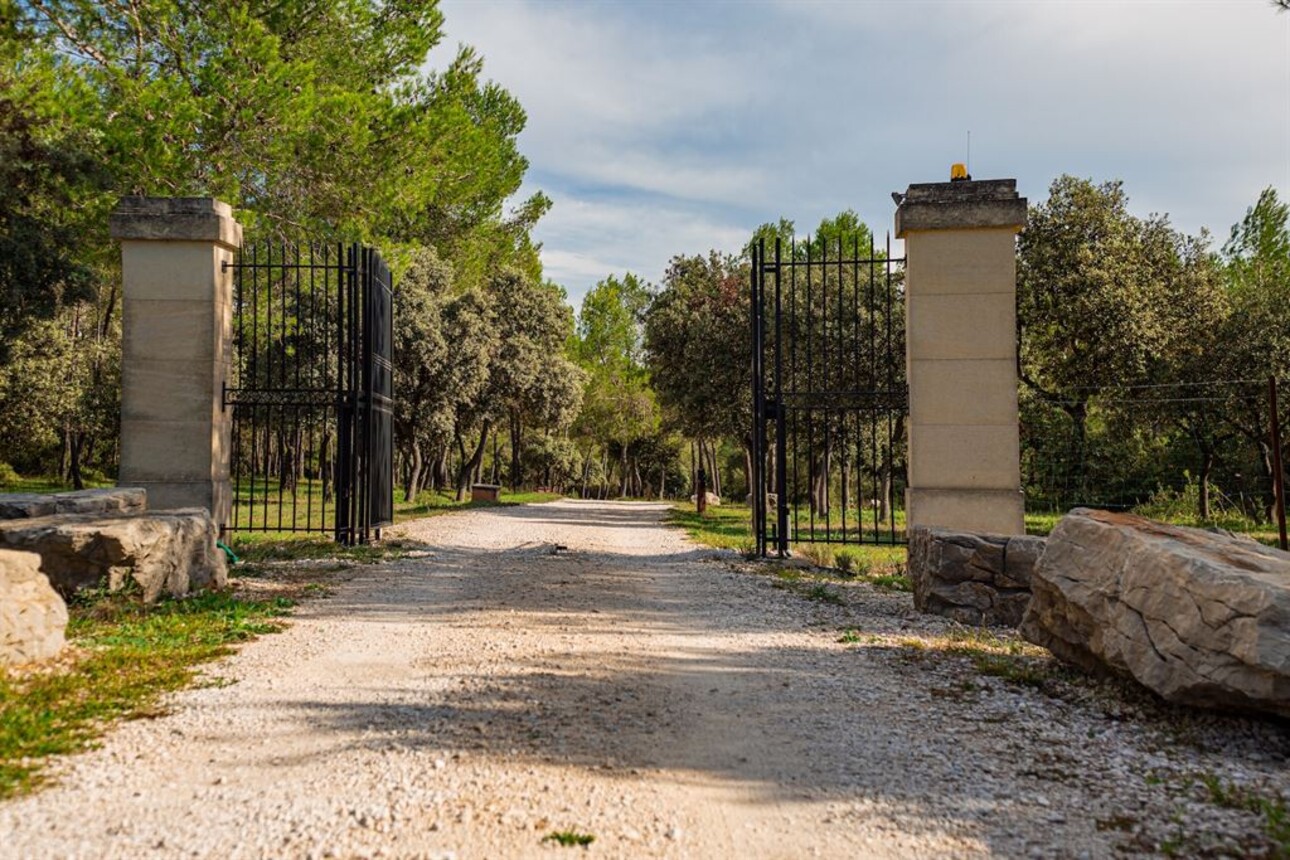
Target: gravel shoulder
(491, 689)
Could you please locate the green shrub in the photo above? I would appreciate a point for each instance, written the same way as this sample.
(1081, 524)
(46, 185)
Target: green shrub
(8, 475)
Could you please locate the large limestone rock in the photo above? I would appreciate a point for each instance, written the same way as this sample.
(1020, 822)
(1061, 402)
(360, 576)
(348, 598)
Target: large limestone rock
(974, 579)
(163, 552)
(33, 618)
(1201, 618)
(111, 500)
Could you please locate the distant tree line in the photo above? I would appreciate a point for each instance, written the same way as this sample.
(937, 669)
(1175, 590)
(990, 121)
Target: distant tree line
(1144, 352)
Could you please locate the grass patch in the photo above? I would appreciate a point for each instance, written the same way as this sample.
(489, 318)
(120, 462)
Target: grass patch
(253, 547)
(129, 655)
(569, 838)
(892, 582)
(1008, 657)
(721, 527)
(824, 594)
(13, 483)
(1272, 809)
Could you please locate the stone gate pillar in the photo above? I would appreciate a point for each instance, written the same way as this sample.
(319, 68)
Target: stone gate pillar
(964, 437)
(176, 349)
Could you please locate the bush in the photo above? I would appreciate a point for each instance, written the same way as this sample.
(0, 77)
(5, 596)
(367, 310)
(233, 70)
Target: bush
(8, 475)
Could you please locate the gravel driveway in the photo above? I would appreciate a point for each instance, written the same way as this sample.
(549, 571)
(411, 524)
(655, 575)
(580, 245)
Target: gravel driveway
(493, 690)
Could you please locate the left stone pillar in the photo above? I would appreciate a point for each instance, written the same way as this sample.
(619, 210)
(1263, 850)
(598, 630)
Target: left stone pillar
(176, 349)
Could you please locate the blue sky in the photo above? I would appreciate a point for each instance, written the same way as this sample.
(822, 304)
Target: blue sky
(661, 127)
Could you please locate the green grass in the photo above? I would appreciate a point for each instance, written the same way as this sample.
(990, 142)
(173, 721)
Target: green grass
(1271, 808)
(721, 527)
(48, 485)
(569, 838)
(255, 547)
(1007, 657)
(125, 656)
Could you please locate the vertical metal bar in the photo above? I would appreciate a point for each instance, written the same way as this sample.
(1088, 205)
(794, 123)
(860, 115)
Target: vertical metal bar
(810, 386)
(891, 403)
(873, 384)
(856, 370)
(240, 365)
(254, 381)
(826, 461)
(792, 374)
(1278, 470)
(754, 308)
(781, 468)
(843, 377)
(268, 305)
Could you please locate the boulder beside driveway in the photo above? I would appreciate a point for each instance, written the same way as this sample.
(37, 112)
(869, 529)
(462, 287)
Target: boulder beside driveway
(33, 618)
(109, 500)
(162, 552)
(1201, 618)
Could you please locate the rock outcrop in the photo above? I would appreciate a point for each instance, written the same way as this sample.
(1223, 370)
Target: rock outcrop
(111, 500)
(974, 579)
(163, 552)
(33, 618)
(1201, 618)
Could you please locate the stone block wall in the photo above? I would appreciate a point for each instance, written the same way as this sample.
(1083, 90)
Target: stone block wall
(972, 578)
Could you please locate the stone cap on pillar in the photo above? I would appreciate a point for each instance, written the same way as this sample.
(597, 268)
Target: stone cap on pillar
(961, 206)
(176, 219)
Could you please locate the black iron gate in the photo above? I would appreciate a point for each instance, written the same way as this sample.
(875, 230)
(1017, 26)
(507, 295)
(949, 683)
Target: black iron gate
(311, 391)
(830, 400)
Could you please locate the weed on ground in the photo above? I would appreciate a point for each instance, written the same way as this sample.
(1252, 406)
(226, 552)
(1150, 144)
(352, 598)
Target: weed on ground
(123, 655)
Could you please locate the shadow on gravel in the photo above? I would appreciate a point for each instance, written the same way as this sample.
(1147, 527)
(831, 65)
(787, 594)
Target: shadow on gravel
(724, 694)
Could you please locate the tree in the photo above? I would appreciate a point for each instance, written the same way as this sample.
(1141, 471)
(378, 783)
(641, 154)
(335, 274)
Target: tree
(1109, 304)
(530, 380)
(1255, 339)
(619, 406)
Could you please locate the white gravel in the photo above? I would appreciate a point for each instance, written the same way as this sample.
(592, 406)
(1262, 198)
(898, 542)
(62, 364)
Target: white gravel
(469, 702)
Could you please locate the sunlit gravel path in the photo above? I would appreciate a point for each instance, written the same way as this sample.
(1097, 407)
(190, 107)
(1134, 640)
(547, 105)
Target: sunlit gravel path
(492, 690)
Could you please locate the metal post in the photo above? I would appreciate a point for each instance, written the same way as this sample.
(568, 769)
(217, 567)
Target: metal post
(1278, 471)
(754, 476)
(781, 430)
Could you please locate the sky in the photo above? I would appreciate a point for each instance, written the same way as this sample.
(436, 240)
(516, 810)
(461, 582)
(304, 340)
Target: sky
(660, 128)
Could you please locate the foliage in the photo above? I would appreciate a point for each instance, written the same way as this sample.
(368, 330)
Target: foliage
(697, 346)
(1145, 355)
(128, 654)
(569, 838)
(315, 122)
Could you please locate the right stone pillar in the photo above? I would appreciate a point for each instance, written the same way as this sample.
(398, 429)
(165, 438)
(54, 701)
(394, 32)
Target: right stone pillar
(961, 355)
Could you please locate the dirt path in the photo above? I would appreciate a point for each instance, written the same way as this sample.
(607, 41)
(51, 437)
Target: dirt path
(469, 702)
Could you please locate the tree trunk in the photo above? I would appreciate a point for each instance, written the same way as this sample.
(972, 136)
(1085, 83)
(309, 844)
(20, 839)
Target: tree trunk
(470, 467)
(74, 460)
(622, 471)
(1206, 470)
(413, 485)
(716, 470)
(515, 450)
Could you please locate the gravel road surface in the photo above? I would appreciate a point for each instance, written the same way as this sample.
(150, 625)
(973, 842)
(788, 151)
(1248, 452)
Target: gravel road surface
(493, 689)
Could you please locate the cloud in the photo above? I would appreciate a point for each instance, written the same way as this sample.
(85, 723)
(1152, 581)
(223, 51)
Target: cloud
(664, 128)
